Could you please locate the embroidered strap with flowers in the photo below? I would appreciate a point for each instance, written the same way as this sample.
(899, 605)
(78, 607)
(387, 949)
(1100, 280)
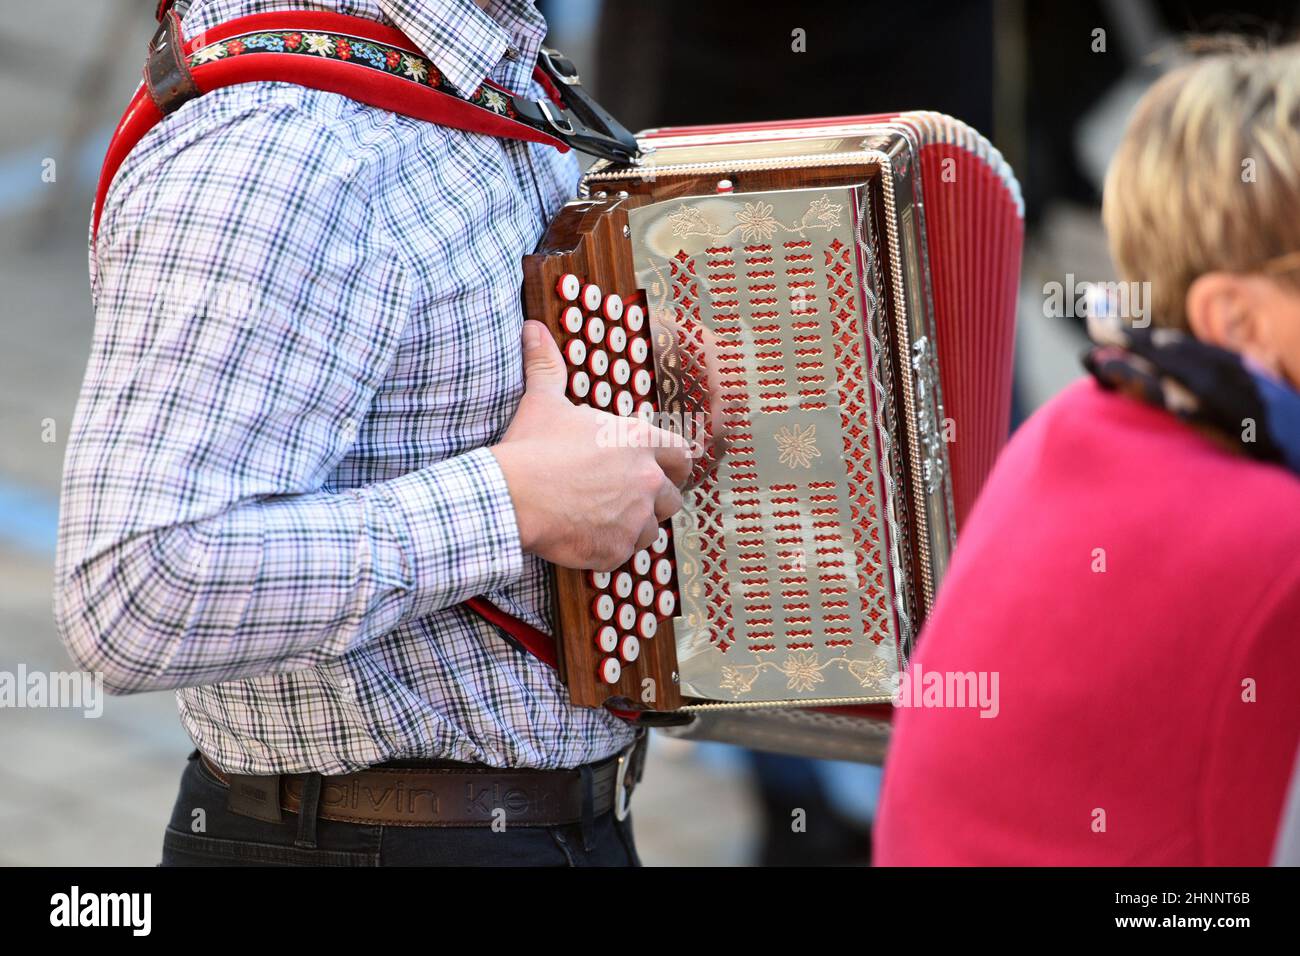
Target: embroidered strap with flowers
(389, 60)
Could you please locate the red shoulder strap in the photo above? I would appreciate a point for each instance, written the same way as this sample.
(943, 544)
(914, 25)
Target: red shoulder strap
(352, 56)
(535, 642)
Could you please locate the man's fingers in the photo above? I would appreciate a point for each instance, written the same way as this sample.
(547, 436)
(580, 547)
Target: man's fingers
(668, 502)
(648, 535)
(672, 455)
(543, 363)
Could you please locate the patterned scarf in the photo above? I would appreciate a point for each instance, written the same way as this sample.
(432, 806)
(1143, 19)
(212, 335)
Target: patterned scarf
(1210, 387)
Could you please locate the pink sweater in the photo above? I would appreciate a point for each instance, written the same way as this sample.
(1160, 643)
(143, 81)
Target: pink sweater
(1148, 713)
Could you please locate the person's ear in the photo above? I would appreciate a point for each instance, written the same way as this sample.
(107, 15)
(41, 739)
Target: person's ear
(1225, 309)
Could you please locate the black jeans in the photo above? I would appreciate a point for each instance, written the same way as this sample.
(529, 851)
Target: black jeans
(202, 832)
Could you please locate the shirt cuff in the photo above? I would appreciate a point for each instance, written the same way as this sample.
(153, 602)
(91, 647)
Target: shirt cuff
(456, 524)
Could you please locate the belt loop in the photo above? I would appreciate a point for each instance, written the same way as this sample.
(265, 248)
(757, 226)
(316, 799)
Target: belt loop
(588, 808)
(308, 807)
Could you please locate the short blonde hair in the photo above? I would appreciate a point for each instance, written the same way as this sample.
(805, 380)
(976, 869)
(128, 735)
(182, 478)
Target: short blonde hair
(1207, 177)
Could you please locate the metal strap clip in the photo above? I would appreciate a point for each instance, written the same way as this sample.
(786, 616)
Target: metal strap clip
(578, 120)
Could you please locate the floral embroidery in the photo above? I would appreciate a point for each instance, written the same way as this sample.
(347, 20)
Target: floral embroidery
(320, 44)
(415, 68)
(269, 42)
(379, 56)
(369, 52)
(208, 54)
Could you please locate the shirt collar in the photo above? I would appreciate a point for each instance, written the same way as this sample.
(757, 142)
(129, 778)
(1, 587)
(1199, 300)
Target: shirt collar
(468, 43)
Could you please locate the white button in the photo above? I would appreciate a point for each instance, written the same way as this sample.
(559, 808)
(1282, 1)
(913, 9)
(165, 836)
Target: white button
(576, 351)
(580, 384)
(625, 404)
(661, 541)
(613, 307)
(622, 371)
(607, 639)
(663, 571)
(595, 330)
(617, 339)
(641, 382)
(573, 319)
(639, 350)
(610, 670)
(623, 584)
(667, 603)
(641, 562)
(633, 318)
(626, 616)
(599, 579)
(645, 593)
(603, 394)
(591, 297)
(598, 362)
(648, 626)
(604, 607)
(629, 649)
(646, 410)
(568, 286)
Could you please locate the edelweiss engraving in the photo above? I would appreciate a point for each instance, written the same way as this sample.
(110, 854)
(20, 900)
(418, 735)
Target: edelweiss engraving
(756, 221)
(798, 447)
(803, 671)
(868, 672)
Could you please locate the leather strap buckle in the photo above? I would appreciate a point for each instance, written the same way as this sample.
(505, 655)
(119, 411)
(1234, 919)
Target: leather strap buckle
(166, 74)
(558, 67)
(559, 124)
(580, 121)
(180, 6)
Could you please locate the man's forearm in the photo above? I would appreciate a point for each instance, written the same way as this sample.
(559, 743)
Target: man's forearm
(284, 583)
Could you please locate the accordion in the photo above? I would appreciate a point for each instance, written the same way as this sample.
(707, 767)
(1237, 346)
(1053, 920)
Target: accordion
(824, 309)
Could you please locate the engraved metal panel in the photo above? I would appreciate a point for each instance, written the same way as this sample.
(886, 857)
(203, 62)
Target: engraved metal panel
(764, 324)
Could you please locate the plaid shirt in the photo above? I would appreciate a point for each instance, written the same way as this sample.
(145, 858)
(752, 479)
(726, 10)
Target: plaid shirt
(277, 491)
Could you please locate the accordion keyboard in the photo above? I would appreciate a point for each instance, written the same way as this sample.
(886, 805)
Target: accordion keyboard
(614, 628)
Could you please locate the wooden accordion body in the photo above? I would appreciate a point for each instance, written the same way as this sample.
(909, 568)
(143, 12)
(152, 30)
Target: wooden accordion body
(825, 309)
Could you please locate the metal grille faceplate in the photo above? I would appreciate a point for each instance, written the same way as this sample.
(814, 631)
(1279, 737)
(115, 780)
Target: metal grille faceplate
(766, 329)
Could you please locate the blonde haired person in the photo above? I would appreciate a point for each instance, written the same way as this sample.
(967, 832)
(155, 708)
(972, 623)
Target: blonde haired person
(1132, 569)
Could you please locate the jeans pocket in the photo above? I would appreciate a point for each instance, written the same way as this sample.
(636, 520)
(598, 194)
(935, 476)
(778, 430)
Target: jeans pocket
(192, 849)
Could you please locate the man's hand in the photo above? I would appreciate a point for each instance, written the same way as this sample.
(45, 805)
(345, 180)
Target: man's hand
(581, 500)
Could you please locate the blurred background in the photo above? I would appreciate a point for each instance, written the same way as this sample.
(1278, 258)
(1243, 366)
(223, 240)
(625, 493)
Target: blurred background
(1051, 84)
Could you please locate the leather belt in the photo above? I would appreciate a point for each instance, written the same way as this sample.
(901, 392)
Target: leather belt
(451, 795)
